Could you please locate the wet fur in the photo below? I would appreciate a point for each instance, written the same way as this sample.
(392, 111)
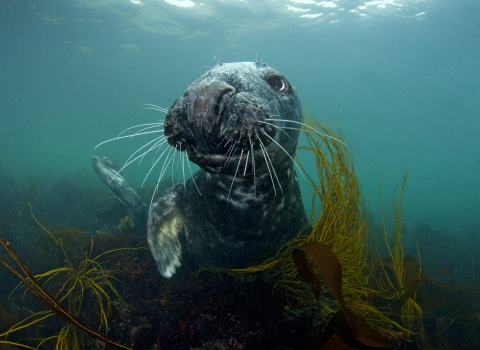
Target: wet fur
(244, 203)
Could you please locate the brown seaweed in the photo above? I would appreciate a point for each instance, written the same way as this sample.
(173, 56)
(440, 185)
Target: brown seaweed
(349, 329)
(30, 282)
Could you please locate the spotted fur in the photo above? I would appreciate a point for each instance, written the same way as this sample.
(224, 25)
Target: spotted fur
(244, 203)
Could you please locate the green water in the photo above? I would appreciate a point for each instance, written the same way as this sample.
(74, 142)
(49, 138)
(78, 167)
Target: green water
(401, 80)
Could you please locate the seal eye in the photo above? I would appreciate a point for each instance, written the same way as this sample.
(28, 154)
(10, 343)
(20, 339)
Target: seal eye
(277, 83)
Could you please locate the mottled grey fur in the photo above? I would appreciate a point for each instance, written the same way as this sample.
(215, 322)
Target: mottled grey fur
(237, 209)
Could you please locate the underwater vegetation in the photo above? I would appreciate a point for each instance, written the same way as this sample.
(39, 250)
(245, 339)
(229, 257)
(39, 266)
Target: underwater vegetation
(341, 275)
(332, 289)
(73, 284)
(64, 203)
(446, 257)
(368, 298)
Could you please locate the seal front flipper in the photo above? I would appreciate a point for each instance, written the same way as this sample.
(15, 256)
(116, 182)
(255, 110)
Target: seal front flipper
(164, 225)
(118, 186)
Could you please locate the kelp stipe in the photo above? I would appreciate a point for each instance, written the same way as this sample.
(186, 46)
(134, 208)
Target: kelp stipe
(88, 276)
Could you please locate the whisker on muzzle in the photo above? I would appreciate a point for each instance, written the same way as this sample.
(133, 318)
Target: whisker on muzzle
(253, 165)
(278, 127)
(193, 177)
(156, 143)
(309, 129)
(147, 125)
(233, 180)
(128, 136)
(270, 167)
(156, 161)
(153, 107)
(288, 154)
(246, 163)
(168, 159)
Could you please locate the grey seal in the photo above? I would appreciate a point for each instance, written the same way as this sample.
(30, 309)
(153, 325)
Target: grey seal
(239, 122)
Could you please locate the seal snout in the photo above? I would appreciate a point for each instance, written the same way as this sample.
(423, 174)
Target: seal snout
(193, 121)
(204, 105)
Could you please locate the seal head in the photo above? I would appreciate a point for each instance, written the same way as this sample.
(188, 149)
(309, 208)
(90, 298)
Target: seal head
(239, 123)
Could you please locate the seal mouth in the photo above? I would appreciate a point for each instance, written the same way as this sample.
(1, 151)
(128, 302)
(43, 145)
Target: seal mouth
(242, 162)
(241, 149)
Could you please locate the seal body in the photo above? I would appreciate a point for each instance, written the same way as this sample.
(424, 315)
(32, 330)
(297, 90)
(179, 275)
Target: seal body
(240, 123)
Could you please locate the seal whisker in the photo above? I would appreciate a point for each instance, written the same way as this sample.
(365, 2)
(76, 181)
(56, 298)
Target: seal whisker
(193, 177)
(231, 151)
(158, 149)
(174, 156)
(154, 109)
(157, 141)
(271, 165)
(263, 105)
(127, 136)
(165, 165)
(179, 163)
(128, 162)
(265, 155)
(304, 130)
(253, 165)
(158, 108)
(178, 152)
(233, 180)
(151, 125)
(158, 145)
(224, 138)
(278, 127)
(164, 168)
(283, 149)
(183, 165)
(246, 163)
(306, 126)
(155, 163)
(140, 132)
(231, 154)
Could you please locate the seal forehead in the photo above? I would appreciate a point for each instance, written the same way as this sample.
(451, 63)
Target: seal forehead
(241, 69)
(243, 76)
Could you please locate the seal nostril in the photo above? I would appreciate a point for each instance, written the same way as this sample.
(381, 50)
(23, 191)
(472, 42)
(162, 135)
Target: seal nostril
(205, 104)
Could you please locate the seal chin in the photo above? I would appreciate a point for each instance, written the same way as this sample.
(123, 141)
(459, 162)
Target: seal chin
(213, 163)
(237, 163)
(220, 163)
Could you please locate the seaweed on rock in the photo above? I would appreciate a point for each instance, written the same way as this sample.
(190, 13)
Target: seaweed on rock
(75, 283)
